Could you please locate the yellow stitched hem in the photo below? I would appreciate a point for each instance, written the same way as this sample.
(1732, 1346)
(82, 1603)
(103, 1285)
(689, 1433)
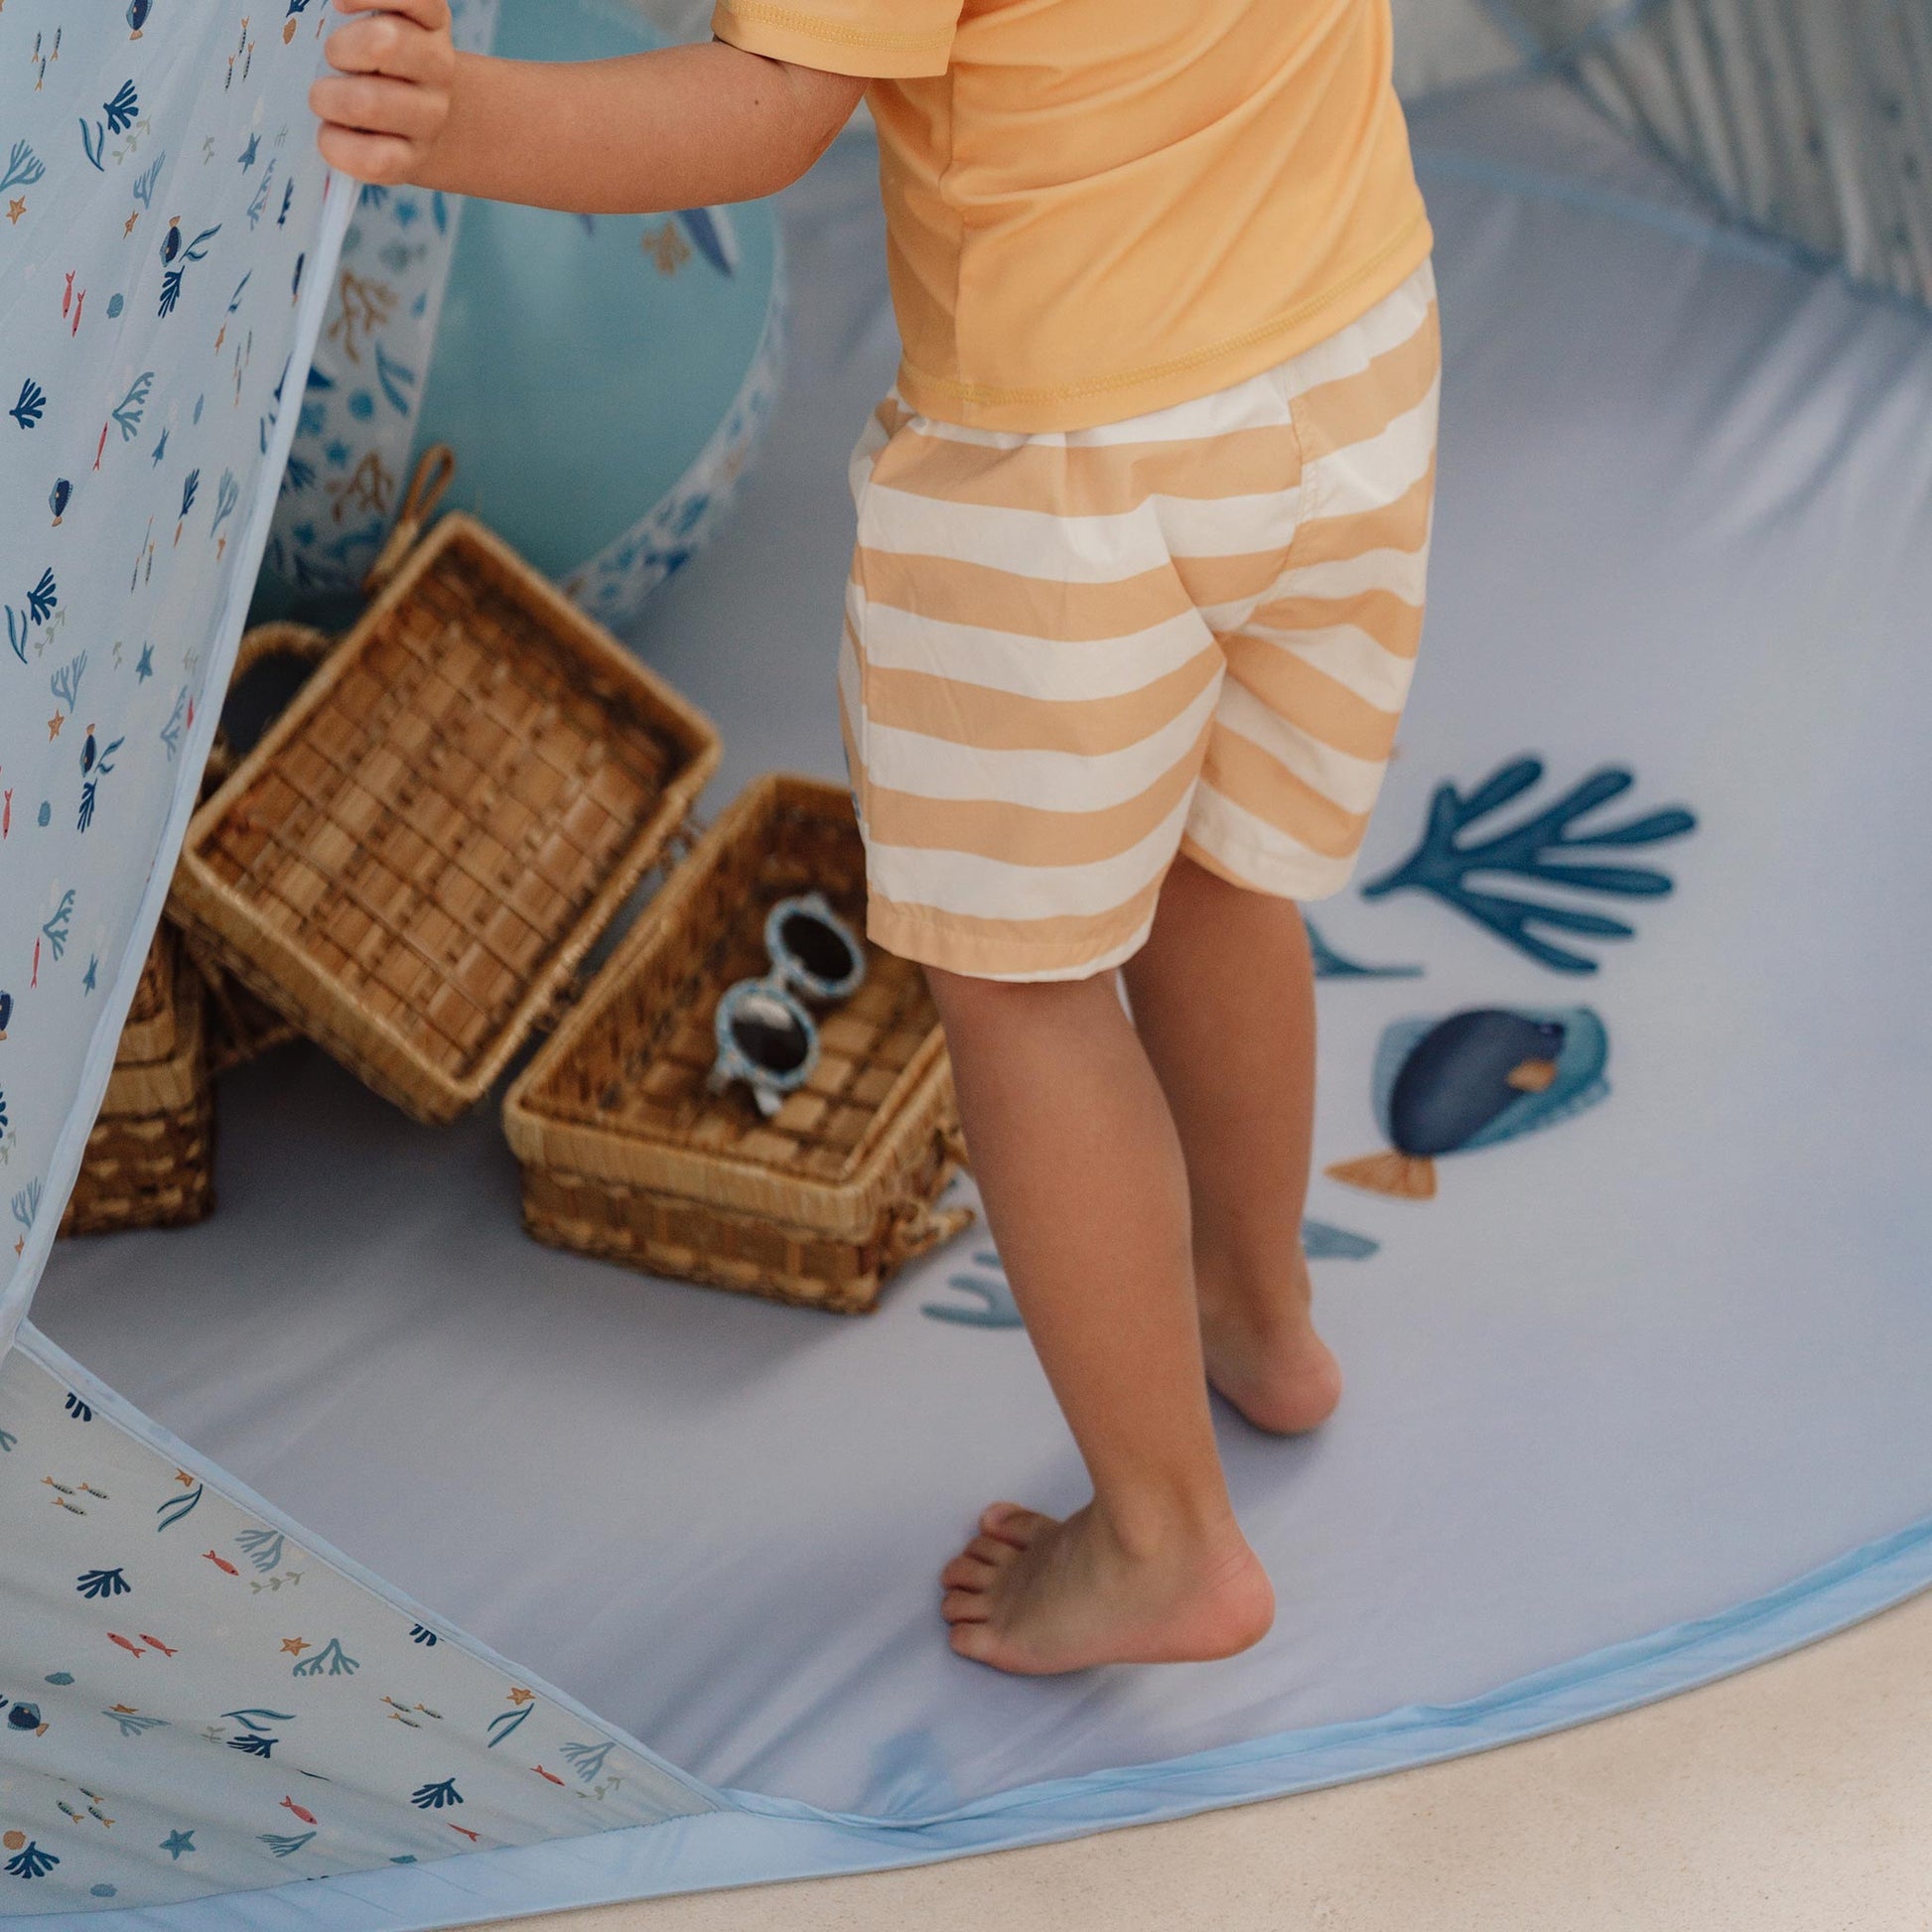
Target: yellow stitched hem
(982, 401)
(787, 34)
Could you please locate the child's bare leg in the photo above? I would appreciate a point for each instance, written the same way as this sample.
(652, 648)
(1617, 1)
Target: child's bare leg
(1223, 996)
(1086, 1195)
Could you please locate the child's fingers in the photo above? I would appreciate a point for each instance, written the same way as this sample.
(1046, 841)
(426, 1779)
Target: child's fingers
(433, 14)
(373, 104)
(379, 158)
(385, 46)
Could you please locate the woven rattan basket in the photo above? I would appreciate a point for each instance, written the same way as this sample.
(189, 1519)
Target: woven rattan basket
(150, 1160)
(624, 1152)
(414, 860)
(241, 1027)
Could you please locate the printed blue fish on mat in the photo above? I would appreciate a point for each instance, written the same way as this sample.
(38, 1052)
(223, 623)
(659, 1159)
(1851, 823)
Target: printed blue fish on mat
(26, 1716)
(1473, 1080)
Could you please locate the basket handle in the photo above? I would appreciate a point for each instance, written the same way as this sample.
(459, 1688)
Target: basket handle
(433, 477)
(915, 1229)
(266, 640)
(280, 639)
(918, 1226)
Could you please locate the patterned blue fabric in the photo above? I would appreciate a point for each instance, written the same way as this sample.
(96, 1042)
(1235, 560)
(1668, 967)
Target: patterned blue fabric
(193, 1701)
(674, 308)
(166, 233)
(350, 462)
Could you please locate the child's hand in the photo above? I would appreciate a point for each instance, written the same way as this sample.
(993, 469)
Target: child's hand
(387, 103)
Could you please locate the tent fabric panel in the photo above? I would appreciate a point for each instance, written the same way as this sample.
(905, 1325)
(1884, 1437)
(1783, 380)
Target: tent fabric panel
(199, 1700)
(1812, 121)
(175, 235)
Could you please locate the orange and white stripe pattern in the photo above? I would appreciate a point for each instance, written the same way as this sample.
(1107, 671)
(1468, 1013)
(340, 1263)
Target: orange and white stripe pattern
(1069, 658)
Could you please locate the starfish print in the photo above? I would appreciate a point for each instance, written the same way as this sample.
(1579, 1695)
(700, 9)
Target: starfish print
(54, 725)
(143, 670)
(182, 1476)
(522, 1696)
(176, 1843)
(295, 1646)
(128, 229)
(16, 207)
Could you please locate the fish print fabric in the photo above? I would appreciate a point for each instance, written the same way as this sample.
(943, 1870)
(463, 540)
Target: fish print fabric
(192, 1702)
(349, 464)
(164, 224)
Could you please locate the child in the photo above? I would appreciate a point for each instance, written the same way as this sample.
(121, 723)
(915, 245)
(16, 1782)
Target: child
(1139, 582)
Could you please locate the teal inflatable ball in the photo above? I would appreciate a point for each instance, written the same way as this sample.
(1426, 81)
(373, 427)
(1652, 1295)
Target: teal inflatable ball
(602, 379)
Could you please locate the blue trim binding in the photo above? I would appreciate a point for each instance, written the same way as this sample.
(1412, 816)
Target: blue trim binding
(762, 1841)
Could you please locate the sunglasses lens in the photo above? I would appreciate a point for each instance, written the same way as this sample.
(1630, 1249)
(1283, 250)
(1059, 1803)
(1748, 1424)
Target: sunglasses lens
(768, 1033)
(821, 951)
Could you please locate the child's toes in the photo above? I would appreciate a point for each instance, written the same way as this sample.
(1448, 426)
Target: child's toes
(1010, 1524)
(994, 1550)
(967, 1572)
(972, 1640)
(966, 1606)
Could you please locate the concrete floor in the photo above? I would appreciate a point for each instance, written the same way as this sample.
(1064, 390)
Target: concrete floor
(1794, 1796)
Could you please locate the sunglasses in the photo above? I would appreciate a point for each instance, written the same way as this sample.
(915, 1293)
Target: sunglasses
(765, 1035)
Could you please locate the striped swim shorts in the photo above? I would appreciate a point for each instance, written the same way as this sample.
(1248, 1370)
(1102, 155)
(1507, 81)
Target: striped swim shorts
(1071, 656)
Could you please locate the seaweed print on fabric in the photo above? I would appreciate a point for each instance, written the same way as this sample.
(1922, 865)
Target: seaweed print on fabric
(1538, 850)
(986, 1298)
(191, 1702)
(238, 1737)
(146, 322)
(358, 411)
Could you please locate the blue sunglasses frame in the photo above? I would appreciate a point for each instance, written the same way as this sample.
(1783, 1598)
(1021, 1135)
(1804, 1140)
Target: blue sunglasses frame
(788, 986)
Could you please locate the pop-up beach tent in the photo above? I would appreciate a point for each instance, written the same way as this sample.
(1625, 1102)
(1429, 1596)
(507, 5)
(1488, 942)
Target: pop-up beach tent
(367, 1565)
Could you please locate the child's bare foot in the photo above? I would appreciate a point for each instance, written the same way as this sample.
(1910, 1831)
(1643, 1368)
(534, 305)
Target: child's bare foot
(1037, 1596)
(1265, 1357)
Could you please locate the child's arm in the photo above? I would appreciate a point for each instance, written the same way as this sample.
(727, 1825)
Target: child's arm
(683, 127)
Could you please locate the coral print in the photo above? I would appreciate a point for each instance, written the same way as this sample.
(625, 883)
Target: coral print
(360, 428)
(1541, 850)
(357, 420)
